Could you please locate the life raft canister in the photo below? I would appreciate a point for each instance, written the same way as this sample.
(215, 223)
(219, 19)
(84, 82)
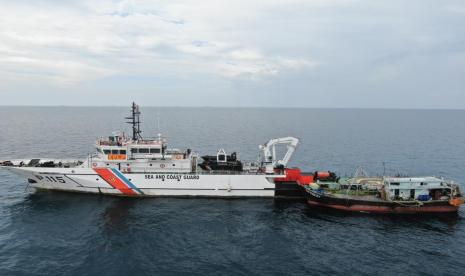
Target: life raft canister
(323, 175)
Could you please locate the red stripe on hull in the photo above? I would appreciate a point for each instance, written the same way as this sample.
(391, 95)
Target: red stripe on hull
(114, 181)
(388, 210)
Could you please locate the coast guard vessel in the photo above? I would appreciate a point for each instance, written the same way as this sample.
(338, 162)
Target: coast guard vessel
(134, 166)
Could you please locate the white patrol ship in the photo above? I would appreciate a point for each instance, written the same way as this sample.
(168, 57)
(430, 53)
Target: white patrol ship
(134, 166)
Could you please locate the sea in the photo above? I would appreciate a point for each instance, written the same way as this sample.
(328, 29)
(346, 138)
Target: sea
(57, 233)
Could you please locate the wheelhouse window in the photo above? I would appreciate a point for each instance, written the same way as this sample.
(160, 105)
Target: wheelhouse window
(143, 150)
(122, 151)
(134, 150)
(114, 151)
(107, 151)
(154, 150)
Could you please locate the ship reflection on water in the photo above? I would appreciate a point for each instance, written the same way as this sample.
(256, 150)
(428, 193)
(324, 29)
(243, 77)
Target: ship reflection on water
(117, 214)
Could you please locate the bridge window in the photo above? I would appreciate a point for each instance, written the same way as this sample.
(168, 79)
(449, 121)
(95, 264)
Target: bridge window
(143, 150)
(133, 150)
(114, 151)
(122, 151)
(154, 150)
(107, 151)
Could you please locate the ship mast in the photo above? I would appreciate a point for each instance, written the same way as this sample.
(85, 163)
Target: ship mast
(135, 122)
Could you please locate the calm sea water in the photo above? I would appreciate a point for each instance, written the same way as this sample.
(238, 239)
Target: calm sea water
(47, 233)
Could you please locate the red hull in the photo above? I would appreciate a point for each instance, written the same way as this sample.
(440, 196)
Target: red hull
(387, 209)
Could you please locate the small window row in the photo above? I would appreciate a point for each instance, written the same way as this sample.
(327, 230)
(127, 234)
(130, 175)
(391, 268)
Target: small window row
(145, 150)
(115, 151)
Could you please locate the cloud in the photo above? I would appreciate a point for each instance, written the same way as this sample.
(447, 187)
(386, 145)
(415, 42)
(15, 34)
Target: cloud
(252, 64)
(460, 9)
(236, 52)
(119, 37)
(62, 72)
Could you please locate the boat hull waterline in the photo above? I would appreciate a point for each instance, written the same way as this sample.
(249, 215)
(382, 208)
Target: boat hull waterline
(381, 207)
(111, 181)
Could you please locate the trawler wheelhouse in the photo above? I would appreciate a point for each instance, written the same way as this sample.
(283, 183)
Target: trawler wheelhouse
(418, 188)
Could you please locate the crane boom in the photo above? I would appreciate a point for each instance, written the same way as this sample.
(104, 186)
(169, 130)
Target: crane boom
(269, 152)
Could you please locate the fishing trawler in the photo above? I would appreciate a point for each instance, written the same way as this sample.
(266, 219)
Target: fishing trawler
(388, 195)
(137, 166)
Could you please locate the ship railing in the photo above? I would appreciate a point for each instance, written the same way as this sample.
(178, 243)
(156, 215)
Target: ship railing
(103, 141)
(107, 142)
(180, 171)
(230, 172)
(147, 142)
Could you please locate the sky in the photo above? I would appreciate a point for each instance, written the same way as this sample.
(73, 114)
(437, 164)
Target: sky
(234, 53)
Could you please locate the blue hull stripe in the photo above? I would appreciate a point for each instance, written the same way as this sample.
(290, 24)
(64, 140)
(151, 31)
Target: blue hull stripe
(129, 183)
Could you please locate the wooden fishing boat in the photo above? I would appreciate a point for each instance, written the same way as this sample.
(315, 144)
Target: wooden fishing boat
(389, 195)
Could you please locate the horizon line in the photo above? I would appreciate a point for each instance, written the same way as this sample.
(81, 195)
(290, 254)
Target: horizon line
(248, 107)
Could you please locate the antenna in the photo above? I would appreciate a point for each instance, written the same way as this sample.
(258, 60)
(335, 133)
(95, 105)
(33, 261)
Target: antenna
(135, 122)
(158, 121)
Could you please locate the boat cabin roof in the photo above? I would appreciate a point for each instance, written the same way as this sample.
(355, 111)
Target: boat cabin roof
(428, 179)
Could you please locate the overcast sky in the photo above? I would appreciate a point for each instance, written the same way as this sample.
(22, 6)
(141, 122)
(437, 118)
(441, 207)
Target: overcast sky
(290, 53)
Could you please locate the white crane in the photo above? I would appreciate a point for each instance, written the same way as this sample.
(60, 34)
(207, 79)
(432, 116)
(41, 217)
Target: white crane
(269, 152)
